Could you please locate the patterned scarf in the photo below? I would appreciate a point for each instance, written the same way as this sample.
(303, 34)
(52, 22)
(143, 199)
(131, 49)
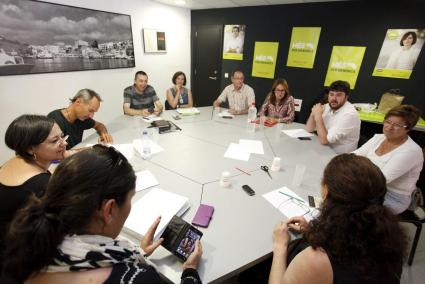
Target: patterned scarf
(83, 252)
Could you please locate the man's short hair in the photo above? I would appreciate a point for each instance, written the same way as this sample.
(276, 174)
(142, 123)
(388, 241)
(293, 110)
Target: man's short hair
(86, 95)
(340, 86)
(140, 73)
(236, 27)
(237, 71)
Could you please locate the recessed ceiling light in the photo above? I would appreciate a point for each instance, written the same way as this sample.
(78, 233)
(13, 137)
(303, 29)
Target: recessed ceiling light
(180, 2)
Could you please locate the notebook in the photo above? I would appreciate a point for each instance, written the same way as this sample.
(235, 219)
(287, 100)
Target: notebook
(157, 202)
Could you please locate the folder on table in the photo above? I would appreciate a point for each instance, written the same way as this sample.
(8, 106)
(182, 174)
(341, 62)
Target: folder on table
(157, 202)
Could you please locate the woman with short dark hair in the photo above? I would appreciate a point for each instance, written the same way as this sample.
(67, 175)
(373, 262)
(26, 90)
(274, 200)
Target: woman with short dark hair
(70, 234)
(355, 239)
(179, 96)
(397, 155)
(37, 140)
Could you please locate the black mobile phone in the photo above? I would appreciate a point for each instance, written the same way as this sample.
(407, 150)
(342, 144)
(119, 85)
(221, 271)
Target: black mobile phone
(187, 244)
(248, 190)
(304, 138)
(227, 116)
(311, 201)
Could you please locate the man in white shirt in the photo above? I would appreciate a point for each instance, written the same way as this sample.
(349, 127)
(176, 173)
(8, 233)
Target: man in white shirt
(337, 123)
(239, 95)
(234, 44)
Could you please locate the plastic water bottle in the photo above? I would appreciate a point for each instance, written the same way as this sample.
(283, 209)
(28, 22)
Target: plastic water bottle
(252, 117)
(146, 144)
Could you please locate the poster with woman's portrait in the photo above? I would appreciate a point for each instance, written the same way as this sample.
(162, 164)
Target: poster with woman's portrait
(399, 53)
(233, 42)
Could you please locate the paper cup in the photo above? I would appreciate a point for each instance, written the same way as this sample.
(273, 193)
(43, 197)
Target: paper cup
(275, 164)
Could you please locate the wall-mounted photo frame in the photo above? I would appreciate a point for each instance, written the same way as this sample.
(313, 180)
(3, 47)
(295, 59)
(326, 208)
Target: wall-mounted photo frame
(154, 41)
(41, 37)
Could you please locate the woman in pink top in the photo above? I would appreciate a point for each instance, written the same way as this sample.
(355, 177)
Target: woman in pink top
(279, 104)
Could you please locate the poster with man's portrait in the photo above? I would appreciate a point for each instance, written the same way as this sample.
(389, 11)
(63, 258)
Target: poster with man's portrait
(233, 41)
(399, 53)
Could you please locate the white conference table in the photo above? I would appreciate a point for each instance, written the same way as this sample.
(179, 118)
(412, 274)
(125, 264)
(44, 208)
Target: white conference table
(240, 232)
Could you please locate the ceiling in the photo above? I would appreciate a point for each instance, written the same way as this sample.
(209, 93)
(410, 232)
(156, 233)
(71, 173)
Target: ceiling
(212, 4)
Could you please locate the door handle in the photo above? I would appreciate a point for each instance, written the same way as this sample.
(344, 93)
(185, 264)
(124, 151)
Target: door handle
(212, 78)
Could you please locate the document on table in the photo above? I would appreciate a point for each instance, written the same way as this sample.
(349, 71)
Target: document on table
(145, 179)
(138, 145)
(157, 202)
(188, 111)
(237, 152)
(295, 133)
(225, 113)
(252, 146)
(150, 118)
(290, 204)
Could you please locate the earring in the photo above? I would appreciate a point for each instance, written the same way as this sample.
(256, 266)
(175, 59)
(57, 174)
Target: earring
(34, 156)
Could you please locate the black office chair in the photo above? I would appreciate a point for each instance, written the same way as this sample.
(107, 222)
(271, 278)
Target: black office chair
(409, 216)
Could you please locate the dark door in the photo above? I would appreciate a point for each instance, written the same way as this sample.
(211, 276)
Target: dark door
(206, 70)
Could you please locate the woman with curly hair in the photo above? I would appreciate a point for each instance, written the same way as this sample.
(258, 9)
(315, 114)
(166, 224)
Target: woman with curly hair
(355, 239)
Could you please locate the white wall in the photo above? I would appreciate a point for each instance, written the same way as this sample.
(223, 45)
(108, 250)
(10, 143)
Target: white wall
(41, 93)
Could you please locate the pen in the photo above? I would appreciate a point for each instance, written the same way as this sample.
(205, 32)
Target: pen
(243, 171)
(292, 196)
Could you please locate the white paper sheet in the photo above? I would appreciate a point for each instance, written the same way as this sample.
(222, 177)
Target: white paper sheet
(289, 203)
(157, 202)
(150, 118)
(237, 152)
(188, 111)
(155, 148)
(295, 133)
(252, 146)
(145, 179)
(126, 149)
(225, 113)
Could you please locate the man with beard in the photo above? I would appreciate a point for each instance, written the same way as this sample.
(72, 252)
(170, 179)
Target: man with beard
(337, 122)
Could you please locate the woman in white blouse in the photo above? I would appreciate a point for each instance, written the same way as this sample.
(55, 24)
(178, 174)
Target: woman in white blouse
(397, 155)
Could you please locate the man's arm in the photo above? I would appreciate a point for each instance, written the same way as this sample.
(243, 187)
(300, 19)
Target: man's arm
(158, 107)
(311, 124)
(322, 132)
(131, 111)
(104, 136)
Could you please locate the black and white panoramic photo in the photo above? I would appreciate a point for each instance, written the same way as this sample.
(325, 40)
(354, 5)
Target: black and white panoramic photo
(41, 37)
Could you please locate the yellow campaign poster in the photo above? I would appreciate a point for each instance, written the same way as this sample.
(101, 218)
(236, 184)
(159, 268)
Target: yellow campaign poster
(265, 56)
(345, 64)
(303, 46)
(233, 41)
(399, 53)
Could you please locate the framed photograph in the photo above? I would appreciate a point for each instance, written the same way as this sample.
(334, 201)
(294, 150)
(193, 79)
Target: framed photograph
(41, 37)
(399, 53)
(154, 41)
(233, 41)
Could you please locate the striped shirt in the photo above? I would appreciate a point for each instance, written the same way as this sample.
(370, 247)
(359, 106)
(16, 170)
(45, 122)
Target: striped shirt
(285, 112)
(144, 100)
(238, 99)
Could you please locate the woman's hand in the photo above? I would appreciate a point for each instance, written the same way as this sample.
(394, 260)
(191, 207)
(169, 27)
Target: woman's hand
(195, 257)
(147, 244)
(298, 224)
(280, 237)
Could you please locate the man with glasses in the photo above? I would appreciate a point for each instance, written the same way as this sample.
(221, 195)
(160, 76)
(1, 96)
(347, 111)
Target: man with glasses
(78, 116)
(239, 95)
(337, 123)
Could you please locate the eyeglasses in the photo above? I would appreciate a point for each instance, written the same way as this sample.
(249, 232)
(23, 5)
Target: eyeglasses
(395, 125)
(279, 91)
(61, 140)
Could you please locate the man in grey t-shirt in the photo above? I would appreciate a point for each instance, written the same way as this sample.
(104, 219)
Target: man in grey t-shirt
(141, 98)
